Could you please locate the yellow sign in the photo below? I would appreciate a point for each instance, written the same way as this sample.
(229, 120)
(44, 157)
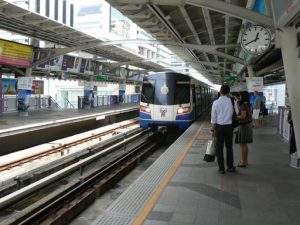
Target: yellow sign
(15, 54)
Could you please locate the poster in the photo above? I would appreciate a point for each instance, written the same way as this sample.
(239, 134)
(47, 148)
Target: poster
(67, 62)
(52, 65)
(24, 92)
(76, 66)
(37, 87)
(15, 54)
(9, 86)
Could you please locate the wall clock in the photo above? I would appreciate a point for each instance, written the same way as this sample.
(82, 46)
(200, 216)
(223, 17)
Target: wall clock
(256, 40)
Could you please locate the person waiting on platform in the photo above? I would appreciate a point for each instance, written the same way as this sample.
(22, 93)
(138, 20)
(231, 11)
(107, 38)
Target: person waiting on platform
(244, 134)
(292, 140)
(256, 110)
(222, 130)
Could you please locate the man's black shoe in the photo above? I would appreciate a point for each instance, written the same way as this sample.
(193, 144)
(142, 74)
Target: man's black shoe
(231, 170)
(222, 171)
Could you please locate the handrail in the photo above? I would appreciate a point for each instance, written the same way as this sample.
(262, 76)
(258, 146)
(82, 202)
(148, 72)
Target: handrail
(69, 103)
(54, 102)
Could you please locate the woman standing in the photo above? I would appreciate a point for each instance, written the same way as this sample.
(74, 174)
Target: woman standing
(244, 135)
(256, 109)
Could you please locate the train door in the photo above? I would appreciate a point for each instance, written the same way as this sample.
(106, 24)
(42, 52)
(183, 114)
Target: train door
(194, 108)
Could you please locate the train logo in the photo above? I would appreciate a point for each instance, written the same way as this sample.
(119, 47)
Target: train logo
(163, 112)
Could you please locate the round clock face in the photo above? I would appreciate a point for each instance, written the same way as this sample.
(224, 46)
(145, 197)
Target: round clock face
(256, 39)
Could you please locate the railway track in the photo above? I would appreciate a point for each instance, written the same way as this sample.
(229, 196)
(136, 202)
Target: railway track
(54, 150)
(61, 206)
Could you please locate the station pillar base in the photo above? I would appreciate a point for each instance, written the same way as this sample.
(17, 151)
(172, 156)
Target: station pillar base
(295, 160)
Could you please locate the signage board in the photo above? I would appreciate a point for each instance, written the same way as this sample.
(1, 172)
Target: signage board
(15, 54)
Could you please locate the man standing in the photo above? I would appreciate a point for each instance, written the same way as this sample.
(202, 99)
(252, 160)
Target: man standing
(222, 130)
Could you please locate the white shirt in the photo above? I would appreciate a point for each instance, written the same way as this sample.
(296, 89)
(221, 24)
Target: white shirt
(221, 111)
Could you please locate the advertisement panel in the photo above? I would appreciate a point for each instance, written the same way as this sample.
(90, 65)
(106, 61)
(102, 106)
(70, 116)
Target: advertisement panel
(9, 86)
(37, 87)
(67, 62)
(89, 67)
(24, 91)
(82, 65)
(15, 54)
(255, 84)
(52, 65)
(76, 65)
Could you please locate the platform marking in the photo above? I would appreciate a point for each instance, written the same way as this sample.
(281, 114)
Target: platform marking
(155, 196)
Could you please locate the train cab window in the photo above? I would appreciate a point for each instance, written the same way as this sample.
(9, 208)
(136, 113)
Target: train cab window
(182, 92)
(148, 91)
(164, 94)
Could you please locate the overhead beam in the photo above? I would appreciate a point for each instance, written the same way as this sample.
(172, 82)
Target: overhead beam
(215, 5)
(212, 49)
(192, 28)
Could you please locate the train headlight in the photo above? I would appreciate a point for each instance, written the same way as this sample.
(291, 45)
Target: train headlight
(145, 109)
(183, 110)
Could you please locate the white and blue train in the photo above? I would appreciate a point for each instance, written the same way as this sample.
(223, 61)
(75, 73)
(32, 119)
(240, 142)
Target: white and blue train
(172, 99)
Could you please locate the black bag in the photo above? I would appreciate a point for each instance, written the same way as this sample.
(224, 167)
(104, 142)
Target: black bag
(210, 153)
(235, 121)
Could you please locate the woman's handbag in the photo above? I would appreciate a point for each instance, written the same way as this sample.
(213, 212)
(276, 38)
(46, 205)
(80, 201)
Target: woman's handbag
(210, 151)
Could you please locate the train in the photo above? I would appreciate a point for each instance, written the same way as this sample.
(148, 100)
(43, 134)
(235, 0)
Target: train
(170, 99)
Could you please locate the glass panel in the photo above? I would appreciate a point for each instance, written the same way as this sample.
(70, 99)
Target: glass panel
(148, 91)
(182, 93)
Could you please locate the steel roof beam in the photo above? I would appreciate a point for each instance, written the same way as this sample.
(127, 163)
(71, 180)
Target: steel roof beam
(192, 28)
(212, 49)
(215, 5)
(209, 28)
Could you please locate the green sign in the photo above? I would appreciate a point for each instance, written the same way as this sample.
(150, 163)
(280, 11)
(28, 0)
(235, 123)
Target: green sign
(231, 78)
(101, 77)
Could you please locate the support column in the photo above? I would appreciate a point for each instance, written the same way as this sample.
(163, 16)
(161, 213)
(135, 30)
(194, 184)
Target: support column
(290, 55)
(250, 71)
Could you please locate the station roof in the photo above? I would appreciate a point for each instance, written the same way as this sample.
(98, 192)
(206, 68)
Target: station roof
(195, 23)
(19, 20)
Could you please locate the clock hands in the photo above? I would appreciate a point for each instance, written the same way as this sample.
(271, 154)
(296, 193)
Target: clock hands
(256, 38)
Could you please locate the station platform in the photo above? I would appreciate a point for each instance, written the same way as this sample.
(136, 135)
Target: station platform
(181, 189)
(18, 132)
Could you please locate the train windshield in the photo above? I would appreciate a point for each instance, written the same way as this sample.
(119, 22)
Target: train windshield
(182, 92)
(148, 91)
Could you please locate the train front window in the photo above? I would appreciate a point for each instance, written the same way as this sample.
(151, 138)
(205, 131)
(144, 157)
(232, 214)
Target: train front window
(182, 92)
(164, 92)
(148, 91)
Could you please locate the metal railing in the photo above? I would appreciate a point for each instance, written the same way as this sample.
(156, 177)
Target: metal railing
(36, 102)
(107, 100)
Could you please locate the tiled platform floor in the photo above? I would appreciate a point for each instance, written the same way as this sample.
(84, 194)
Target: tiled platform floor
(267, 192)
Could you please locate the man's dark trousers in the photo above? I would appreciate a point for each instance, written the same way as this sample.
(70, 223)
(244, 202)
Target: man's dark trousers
(224, 133)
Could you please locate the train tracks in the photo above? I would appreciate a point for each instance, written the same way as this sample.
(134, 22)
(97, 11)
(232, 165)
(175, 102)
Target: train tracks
(61, 205)
(61, 148)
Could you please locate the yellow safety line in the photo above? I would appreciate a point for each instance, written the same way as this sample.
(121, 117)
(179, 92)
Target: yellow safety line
(155, 196)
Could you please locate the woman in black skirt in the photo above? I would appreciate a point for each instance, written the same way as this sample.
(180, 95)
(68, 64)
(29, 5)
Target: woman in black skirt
(244, 134)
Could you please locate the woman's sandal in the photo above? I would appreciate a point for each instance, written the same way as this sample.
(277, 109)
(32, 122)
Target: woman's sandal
(241, 165)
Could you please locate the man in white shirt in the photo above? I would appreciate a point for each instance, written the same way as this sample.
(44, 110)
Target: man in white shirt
(222, 130)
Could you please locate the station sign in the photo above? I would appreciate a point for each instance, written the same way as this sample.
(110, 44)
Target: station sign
(101, 78)
(15, 54)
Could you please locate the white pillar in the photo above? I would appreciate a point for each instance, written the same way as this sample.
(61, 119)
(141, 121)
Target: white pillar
(250, 71)
(290, 55)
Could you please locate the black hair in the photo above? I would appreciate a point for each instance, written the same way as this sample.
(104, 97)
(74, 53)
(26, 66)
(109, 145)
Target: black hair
(244, 98)
(225, 89)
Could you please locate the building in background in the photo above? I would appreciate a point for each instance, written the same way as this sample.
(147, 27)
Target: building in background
(105, 22)
(62, 11)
